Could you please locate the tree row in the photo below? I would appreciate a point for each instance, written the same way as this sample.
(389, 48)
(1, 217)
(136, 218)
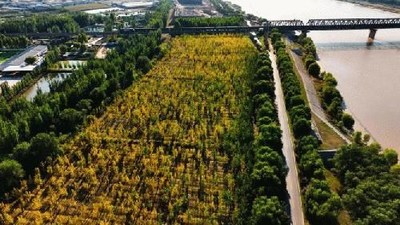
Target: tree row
(268, 166)
(321, 205)
(209, 22)
(331, 99)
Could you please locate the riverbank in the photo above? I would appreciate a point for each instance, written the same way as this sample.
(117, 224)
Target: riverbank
(384, 7)
(358, 126)
(332, 138)
(31, 84)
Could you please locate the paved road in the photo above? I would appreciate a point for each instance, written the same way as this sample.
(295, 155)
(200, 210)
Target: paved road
(292, 179)
(308, 83)
(170, 18)
(313, 100)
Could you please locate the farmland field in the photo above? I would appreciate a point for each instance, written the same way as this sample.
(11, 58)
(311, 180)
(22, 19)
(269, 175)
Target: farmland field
(156, 156)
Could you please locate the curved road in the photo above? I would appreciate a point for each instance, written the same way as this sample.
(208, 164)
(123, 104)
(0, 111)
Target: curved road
(292, 179)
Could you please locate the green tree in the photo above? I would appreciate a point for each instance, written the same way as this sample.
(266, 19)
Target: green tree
(382, 215)
(268, 211)
(70, 119)
(322, 206)
(355, 162)
(311, 166)
(391, 156)
(395, 169)
(329, 80)
(43, 145)
(309, 60)
(85, 105)
(314, 69)
(300, 112)
(296, 101)
(261, 99)
(335, 109)
(375, 200)
(30, 60)
(270, 135)
(358, 139)
(307, 143)
(266, 110)
(22, 154)
(143, 63)
(82, 38)
(348, 121)
(264, 73)
(11, 173)
(264, 87)
(8, 137)
(301, 127)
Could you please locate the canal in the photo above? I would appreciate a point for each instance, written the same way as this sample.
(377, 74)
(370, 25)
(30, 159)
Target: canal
(43, 84)
(368, 77)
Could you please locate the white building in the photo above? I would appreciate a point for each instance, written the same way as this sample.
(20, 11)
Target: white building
(136, 5)
(17, 63)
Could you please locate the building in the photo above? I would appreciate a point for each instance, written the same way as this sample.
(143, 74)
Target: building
(135, 5)
(191, 2)
(17, 63)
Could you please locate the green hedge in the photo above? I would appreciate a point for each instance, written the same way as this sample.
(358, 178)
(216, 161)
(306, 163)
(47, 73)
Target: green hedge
(322, 206)
(209, 22)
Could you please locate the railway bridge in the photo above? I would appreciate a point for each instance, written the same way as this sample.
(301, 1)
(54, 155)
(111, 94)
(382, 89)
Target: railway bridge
(372, 24)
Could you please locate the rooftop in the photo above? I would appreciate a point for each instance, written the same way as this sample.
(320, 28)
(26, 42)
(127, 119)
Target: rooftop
(137, 4)
(17, 62)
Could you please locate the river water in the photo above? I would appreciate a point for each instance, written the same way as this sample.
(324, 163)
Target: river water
(368, 77)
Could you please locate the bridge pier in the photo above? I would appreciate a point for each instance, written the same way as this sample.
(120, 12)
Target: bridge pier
(372, 33)
(304, 33)
(371, 36)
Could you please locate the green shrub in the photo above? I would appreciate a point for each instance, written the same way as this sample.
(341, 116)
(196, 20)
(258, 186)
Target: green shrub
(314, 69)
(348, 121)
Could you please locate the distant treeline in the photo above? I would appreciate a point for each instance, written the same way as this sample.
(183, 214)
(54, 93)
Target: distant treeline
(13, 42)
(209, 22)
(65, 22)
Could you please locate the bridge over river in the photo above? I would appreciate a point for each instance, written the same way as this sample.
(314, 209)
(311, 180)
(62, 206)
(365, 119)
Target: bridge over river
(373, 24)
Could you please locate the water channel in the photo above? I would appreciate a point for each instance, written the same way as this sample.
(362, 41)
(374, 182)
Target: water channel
(368, 77)
(43, 84)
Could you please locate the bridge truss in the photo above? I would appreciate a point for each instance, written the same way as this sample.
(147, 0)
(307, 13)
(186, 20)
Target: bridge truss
(336, 24)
